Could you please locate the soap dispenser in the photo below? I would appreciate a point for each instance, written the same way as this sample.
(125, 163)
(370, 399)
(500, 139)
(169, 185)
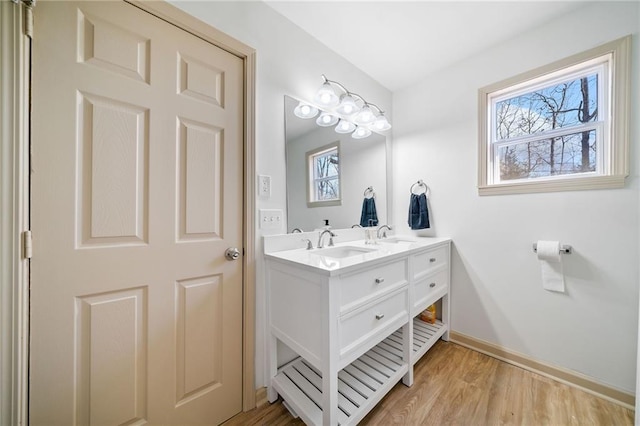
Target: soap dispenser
(370, 234)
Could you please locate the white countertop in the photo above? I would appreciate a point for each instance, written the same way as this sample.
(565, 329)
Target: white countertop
(315, 261)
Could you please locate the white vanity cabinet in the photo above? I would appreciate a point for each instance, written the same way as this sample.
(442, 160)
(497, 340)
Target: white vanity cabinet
(347, 321)
(429, 283)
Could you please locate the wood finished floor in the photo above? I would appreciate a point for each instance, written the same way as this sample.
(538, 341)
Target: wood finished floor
(454, 385)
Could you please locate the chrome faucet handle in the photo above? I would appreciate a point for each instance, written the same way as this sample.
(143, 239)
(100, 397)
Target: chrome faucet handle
(331, 235)
(384, 231)
(309, 243)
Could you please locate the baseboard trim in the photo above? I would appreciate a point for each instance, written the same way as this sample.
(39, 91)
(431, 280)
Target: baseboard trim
(562, 375)
(261, 397)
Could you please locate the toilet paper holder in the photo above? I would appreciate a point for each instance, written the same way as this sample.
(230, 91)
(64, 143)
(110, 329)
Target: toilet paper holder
(566, 249)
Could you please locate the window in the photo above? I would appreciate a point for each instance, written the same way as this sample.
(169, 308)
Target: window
(561, 127)
(323, 171)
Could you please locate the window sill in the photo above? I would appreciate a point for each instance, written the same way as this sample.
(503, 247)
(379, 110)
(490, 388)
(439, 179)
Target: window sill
(330, 203)
(556, 185)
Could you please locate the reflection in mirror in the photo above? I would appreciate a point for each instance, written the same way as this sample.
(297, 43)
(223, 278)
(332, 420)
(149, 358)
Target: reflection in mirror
(341, 177)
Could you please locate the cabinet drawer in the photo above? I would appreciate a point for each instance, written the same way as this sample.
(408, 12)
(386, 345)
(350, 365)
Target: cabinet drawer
(429, 289)
(359, 288)
(425, 262)
(362, 325)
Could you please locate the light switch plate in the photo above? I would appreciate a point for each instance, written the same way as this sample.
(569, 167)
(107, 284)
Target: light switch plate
(271, 219)
(264, 186)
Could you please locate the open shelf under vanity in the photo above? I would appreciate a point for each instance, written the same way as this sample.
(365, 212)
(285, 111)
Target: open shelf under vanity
(362, 384)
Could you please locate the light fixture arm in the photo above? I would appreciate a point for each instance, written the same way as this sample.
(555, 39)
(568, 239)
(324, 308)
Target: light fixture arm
(346, 91)
(374, 105)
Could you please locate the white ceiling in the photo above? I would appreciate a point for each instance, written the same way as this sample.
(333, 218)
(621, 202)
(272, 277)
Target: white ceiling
(399, 43)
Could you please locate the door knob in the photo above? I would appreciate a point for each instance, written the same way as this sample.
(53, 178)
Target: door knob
(232, 253)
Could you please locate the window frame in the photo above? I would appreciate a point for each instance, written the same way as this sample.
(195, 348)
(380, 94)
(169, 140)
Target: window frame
(311, 180)
(613, 140)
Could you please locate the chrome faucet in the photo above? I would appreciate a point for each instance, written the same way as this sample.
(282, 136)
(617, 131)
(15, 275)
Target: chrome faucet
(331, 235)
(296, 230)
(309, 244)
(384, 233)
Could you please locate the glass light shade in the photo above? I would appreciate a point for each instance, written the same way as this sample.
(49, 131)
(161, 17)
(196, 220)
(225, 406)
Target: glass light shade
(347, 105)
(361, 133)
(305, 110)
(325, 120)
(365, 116)
(326, 96)
(345, 127)
(381, 124)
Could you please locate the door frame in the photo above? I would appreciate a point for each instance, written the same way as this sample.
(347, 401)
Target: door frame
(15, 43)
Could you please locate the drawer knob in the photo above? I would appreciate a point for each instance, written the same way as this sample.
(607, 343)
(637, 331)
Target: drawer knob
(432, 285)
(379, 280)
(433, 259)
(379, 316)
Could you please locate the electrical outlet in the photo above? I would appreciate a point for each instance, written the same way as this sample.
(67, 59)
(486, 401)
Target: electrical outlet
(264, 186)
(271, 219)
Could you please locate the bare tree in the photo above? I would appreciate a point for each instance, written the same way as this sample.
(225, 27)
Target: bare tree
(554, 107)
(584, 116)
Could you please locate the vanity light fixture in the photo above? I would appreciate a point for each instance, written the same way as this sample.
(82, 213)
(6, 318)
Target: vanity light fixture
(326, 96)
(347, 105)
(326, 119)
(345, 126)
(350, 111)
(381, 123)
(304, 110)
(361, 133)
(365, 116)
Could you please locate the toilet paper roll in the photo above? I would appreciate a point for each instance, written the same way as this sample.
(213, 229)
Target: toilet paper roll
(551, 265)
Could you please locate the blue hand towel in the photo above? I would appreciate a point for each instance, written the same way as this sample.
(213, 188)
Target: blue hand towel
(418, 212)
(369, 216)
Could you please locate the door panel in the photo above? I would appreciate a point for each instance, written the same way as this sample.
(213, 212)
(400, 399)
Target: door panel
(113, 167)
(136, 315)
(111, 327)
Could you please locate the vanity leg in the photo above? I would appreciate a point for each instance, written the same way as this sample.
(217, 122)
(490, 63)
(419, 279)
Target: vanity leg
(330, 398)
(446, 317)
(272, 394)
(407, 353)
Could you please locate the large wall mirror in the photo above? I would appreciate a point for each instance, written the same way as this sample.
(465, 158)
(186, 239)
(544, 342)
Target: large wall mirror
(328, 174)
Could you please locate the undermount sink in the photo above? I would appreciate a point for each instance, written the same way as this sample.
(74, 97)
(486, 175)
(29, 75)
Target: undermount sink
(342, 252)
(396, 240)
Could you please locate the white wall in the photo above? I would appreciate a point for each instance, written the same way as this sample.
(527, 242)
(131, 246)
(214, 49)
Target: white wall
(496, 286)
(289, 62)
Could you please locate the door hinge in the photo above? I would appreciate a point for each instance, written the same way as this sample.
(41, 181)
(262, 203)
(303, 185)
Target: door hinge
(27, 244)
(28, 20)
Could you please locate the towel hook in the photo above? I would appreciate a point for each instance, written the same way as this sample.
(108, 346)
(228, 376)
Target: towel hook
(369, 191)
(419, 183)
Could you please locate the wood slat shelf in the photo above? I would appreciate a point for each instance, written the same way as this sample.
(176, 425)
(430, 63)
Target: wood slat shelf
(425, 335)
(361, 384)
